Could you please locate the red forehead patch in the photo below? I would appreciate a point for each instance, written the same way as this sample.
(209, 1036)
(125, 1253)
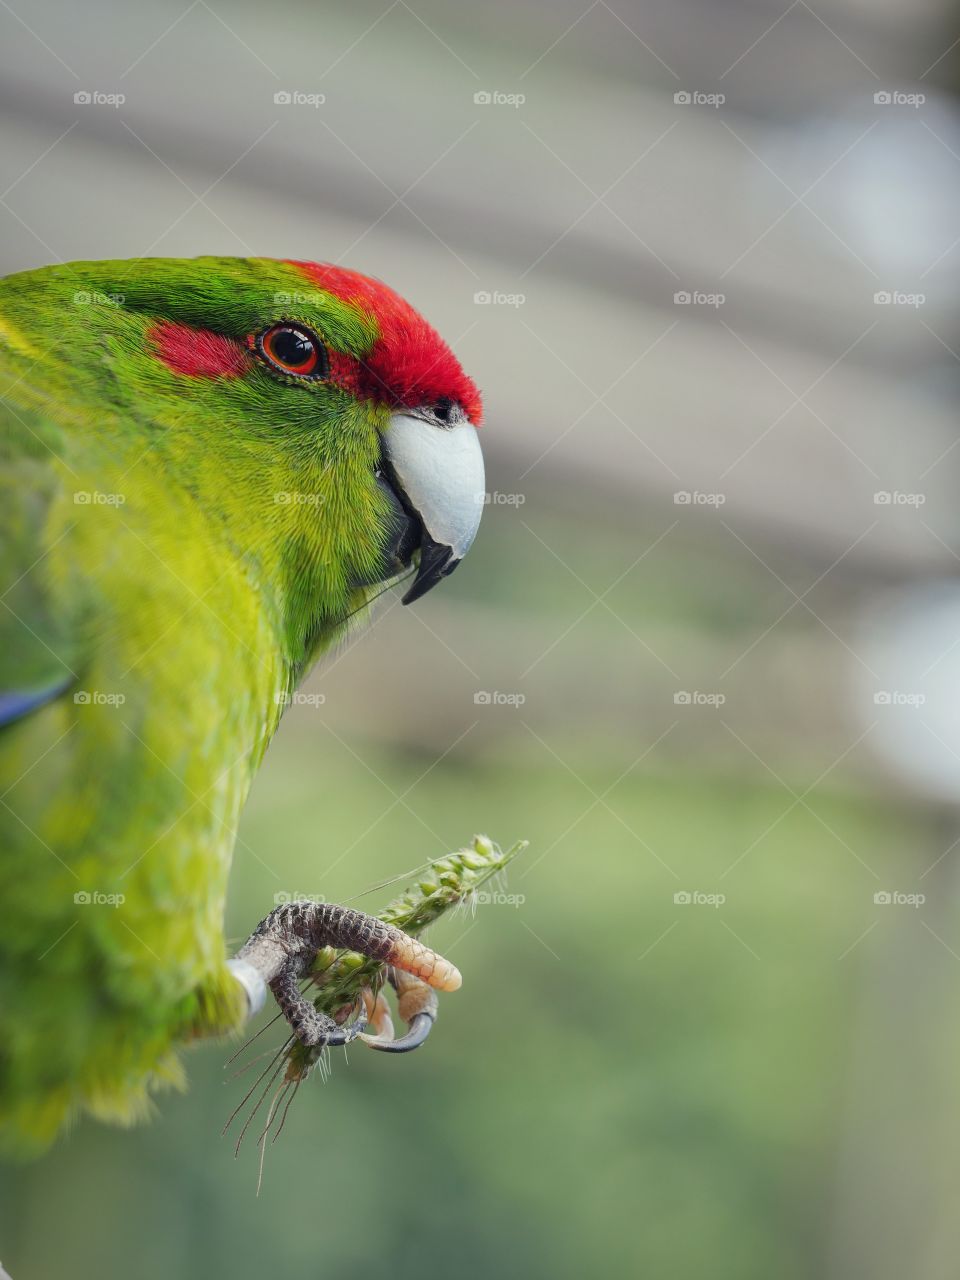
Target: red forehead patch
(198, 353)
(410, 364)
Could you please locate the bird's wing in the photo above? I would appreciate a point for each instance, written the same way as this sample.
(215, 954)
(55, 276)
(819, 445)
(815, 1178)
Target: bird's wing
(38, 658)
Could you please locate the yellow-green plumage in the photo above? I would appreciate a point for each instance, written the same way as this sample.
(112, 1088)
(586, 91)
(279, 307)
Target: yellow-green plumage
(152, 572)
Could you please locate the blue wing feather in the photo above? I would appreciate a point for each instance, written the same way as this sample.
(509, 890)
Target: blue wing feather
(16, 704)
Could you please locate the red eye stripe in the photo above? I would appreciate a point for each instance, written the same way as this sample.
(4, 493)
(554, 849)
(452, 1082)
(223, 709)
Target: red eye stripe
(197, 353)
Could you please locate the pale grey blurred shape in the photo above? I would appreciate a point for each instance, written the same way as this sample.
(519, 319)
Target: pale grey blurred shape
(912, 641)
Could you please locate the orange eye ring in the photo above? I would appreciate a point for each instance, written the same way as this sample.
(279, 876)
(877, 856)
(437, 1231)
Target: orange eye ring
(293, 350)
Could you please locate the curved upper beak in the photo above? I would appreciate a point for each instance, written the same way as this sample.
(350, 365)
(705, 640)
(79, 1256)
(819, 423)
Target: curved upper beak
(436, 469)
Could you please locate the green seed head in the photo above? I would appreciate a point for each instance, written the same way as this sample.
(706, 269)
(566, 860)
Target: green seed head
(451, 880)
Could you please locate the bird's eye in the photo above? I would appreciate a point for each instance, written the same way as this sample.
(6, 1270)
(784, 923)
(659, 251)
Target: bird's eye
(294, 350)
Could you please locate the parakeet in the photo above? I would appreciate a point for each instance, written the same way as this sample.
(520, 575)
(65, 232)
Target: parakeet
(206, 468)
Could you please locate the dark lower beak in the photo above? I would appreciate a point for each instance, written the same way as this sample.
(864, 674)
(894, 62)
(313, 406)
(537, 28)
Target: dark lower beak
(407, 537)
(436, 562)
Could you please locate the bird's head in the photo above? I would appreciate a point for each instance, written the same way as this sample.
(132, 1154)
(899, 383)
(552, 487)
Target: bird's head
(325, 407)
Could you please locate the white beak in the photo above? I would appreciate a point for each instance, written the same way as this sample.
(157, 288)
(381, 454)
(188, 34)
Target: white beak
(438, 468)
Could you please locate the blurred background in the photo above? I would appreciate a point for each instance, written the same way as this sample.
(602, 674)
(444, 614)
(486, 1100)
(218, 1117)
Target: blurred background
(703, 259)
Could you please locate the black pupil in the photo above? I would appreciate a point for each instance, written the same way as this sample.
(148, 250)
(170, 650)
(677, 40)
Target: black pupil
(291, 348)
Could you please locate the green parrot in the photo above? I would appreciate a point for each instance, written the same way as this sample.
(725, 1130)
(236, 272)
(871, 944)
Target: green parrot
(207, 467)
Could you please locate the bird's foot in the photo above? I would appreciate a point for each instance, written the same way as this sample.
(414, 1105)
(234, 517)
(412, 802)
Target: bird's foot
(280, 953)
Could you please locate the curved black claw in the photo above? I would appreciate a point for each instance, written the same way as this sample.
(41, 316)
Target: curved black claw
(421, 1024)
